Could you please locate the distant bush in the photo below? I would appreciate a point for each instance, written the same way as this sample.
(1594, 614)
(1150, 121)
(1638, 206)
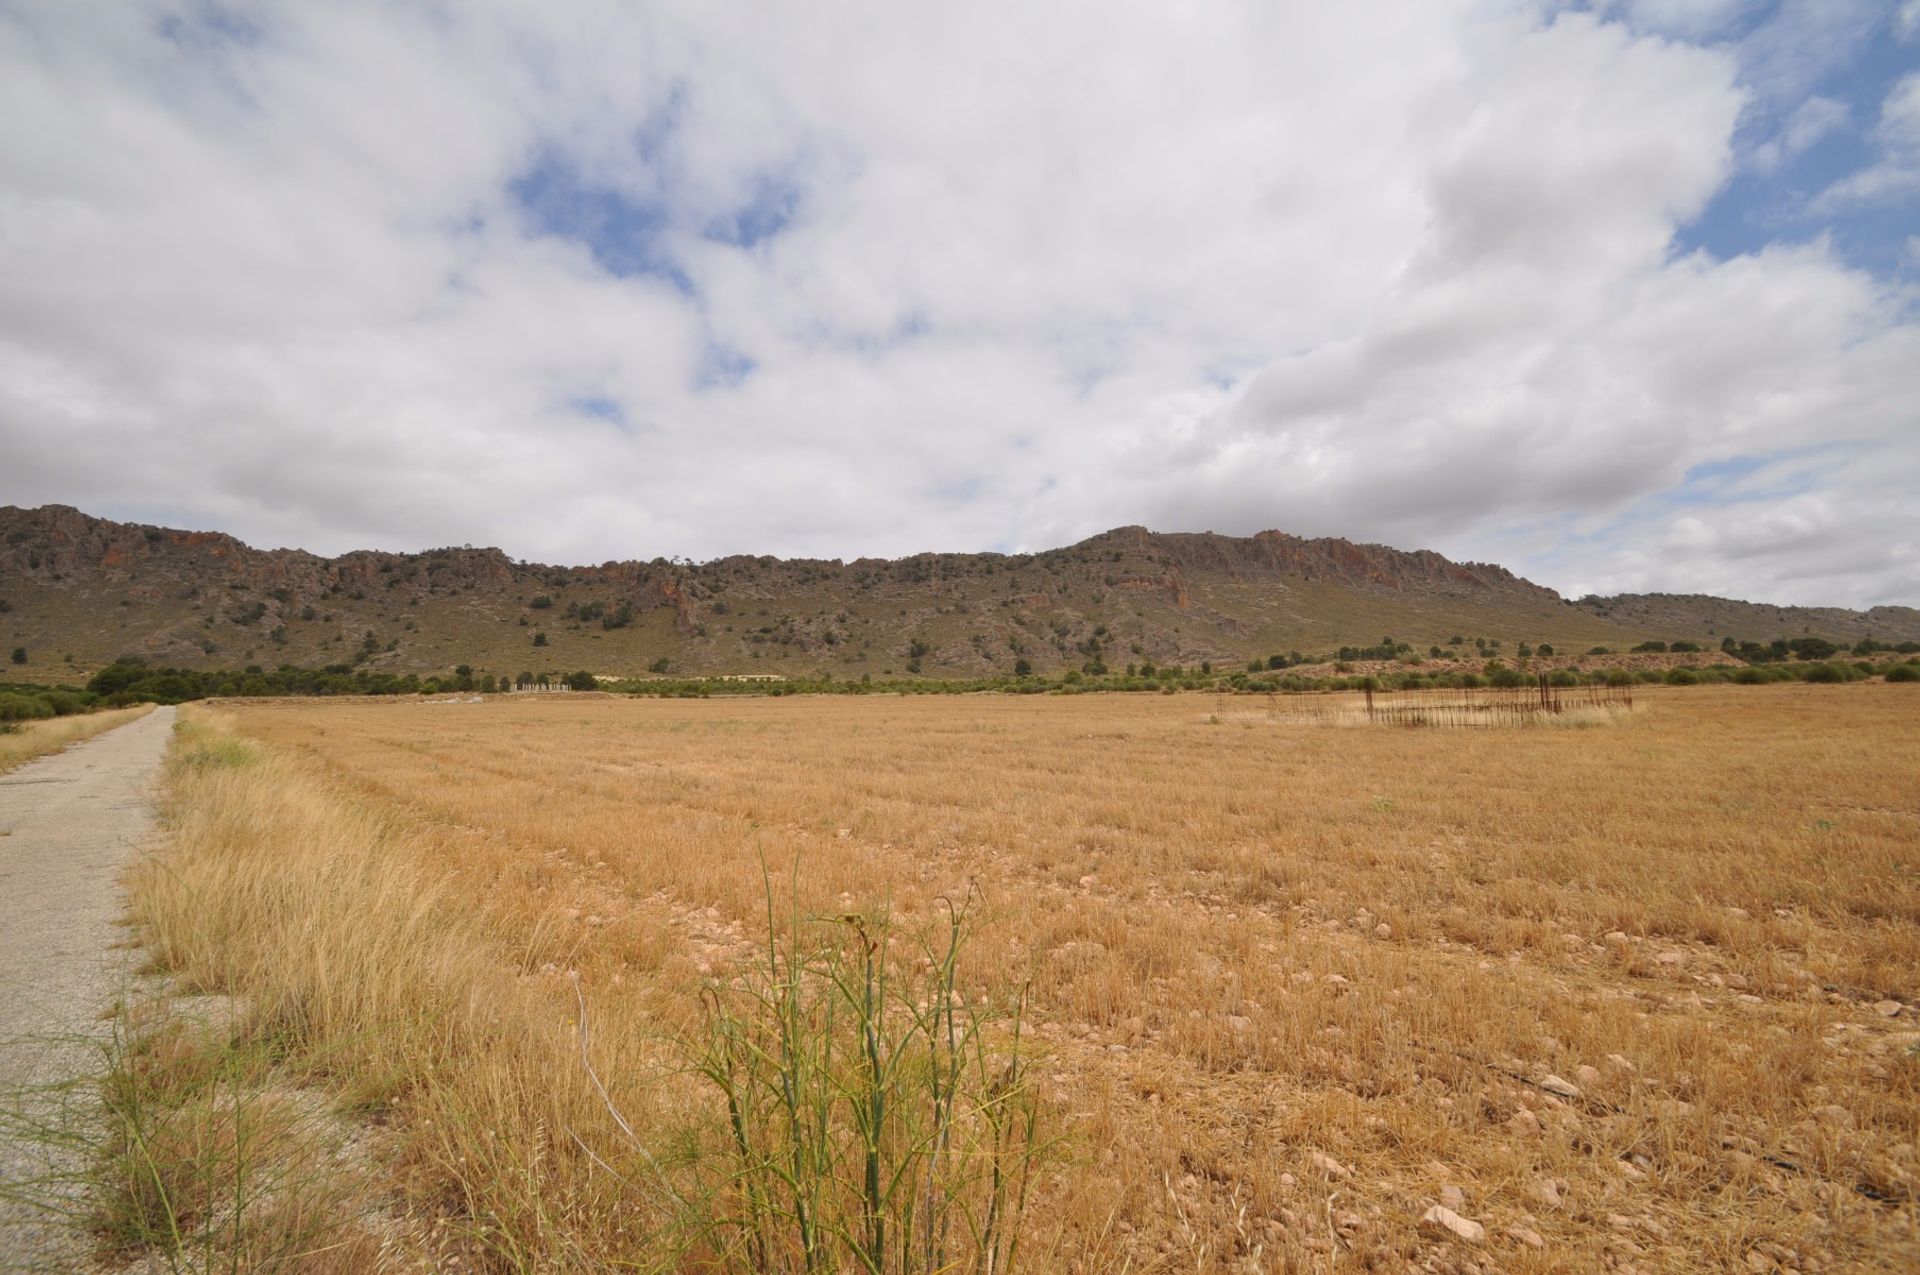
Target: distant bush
(1826, 673)
(1563, 677)
(583, 681)
(1687, 647)
(1903, 673)
(1682, 677)
(1653, 647)
(23, 708)
(64, 703)
(540, 601)
(1618, 677)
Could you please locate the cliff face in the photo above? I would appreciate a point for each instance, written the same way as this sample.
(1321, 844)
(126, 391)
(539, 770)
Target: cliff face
(1272, 555)
(77, 591)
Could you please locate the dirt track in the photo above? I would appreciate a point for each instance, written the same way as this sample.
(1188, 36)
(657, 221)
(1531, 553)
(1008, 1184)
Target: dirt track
(67, 824)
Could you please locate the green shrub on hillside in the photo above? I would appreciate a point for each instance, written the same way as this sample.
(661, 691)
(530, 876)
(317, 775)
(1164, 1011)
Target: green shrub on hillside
(23, 708)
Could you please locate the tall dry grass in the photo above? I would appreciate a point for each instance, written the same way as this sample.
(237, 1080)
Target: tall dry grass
(1621, 995)
(29, 740)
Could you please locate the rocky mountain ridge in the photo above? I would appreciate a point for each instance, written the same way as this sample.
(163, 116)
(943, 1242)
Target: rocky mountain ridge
(79, 591)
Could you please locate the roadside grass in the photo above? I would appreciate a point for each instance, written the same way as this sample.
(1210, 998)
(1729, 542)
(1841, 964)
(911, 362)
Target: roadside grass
(22, 742)
(210, 1163)
(1637, 996)
(366, 980)
(180, 1152)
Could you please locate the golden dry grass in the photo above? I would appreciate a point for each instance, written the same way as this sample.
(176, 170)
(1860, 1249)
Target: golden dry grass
(51, 734)
(1296, 985)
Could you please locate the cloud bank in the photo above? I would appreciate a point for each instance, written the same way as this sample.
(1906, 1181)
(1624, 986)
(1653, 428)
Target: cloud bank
(611, 281)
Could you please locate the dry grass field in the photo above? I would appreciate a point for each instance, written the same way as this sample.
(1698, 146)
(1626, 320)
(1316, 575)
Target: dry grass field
(28, 740)
(1633, 997)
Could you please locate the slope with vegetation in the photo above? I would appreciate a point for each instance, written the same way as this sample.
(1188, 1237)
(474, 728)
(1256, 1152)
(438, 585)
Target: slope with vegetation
(78, 592)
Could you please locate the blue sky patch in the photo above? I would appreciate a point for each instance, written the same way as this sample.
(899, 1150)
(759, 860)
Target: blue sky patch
(204, 27)
(599, 406)
(628, 234)
(1766, 203)
(722, 367)
(769, 211)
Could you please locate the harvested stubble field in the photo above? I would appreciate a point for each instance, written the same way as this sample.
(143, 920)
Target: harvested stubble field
(1632, 997)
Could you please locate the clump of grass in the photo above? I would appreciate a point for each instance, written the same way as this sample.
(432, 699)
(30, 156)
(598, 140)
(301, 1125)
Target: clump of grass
(207, 1164)
(181, 1150)
(878, 1119)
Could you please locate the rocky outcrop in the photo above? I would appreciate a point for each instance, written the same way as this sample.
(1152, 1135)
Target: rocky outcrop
(78, 589)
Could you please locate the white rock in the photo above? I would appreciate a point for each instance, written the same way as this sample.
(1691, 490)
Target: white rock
(1587, 1075)
(1453, 1197)
(1888, 1009)
(1329, 1166)
(1442, 1221)
(1531, 1238)
(1559, 1088)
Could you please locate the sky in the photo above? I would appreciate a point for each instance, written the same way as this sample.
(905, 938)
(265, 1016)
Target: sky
(1622, 294)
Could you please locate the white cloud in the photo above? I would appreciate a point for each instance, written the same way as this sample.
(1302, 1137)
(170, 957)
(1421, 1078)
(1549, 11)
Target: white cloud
(1896, 173)
(1387, 271)
(1906, 23)
(1811, 121)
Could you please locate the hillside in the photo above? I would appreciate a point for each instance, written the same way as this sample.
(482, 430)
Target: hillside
(1716, 617)
(79, 591)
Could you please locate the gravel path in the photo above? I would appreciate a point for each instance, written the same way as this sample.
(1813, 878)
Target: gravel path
(67, 824)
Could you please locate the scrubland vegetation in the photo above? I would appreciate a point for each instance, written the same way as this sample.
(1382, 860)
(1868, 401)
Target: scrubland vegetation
(1387, 666)
(1233, 992)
